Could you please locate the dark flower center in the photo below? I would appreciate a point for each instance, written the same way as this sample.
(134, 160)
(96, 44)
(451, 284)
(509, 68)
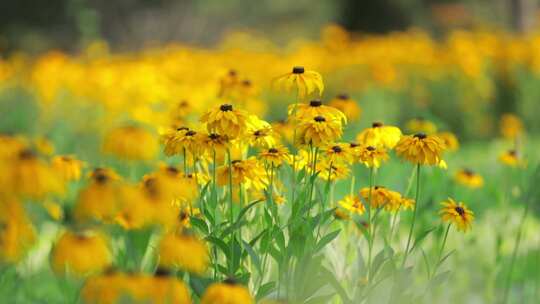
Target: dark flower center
(315, 103)
(191, 133)
(337, 149)
(298, 70)
(512, 153)
(100, 177)
(26, 154)
(272, 150)
(468, 172)
(233, 73)
(319, 119)
(214, 136)
(230, 281)
(162, 272)
(370, 148)
(377, 124)
(182, 129)
(172, 170)
(225, 107)
(183, 215)
(460, 210)
(353, 145)
(343, 96)
(246, 83)
(236, 161)
(183, 104)
(420, 135)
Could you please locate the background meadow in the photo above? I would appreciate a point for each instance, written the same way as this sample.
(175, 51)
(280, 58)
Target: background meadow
(80, 86)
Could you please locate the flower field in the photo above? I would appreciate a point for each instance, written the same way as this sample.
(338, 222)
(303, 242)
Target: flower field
(396, 168)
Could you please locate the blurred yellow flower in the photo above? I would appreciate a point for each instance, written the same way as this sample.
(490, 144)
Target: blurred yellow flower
(184, 252)
(303, 81)
(380, 135)
(457, 214)
(469, 178)
(228, 292)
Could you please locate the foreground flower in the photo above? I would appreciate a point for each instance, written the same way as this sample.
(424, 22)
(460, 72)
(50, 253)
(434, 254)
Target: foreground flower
(348, 106)
(228, 292)
(131, 143)
(260, 133)
(302, 111)
(379, 135)
(339, 152)
(381, 197)
(421, 149)
(304, 82)
(371, 156)
(469, 178)
(319, 131)
(353, 204)
(225, 120)
(457, 214)
(183, 252)
(276, 155)
(244, 172)
(80, 253)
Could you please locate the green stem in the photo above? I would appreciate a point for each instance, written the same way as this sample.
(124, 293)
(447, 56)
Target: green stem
(441, 251)
(185, 161)
(231, 210)
(370, 240)
(416, 207)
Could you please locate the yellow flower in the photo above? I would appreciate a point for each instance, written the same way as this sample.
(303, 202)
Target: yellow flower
(469, 178)
(421, 149)
(371, 156)
(244, 172)
(341, 214)
(379, 135)
(80, 253)
(319, 131)
(176, 140)
(226, 121)
(332, 170)
(511, 158)
(457, 213)
(302, 111)
(184, 252)
(381, 197)
(54, 210)
(213, 142)
(68, 167)
(16, 231)
(421, 125)
(284, 129)
(131, 143)
(348, 106)
(353, 204)
(260, 133)
(339, 152)
(304, 82)
(407, 203)
(276, 155)
(511, 126)
(450, 140)
(43, 146)
(228, 292)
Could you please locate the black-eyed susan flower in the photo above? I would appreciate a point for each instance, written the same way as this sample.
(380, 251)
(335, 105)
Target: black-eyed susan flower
(421, 149)
(457, 214)
(175, 141)
(469, 178)
(380, 196)
(183, 251)
(131, 143)
(80, 253)
(213, 142)
(68, 167)
(275, 156)
(319, 131)
(341, 214)
(347, 105)
(17, 233)
(511, 126)
(302, 111)
(247, 172)
(420, 125)
(332, 170)
(228, 292)
(353, 204)
(260, 133)
(450, 140)
(339, 152)
(372, 157)
(303, 81)
(379, 135)
(511, 158)
(225, 120)
(407, 203)
(164, 287)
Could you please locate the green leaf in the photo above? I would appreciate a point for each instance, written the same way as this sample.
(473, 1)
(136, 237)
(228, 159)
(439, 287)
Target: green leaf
(440, 278)
(320, 299)
(219, 243)
(325, 240)
(265, 290)
(246, 209)
(421, 238)
(254, 257)
(200, 224)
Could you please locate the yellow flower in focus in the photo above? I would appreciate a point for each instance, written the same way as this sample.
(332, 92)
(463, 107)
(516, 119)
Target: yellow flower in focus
(213, 142)
(332, 170)
(226, 121)
(371, 156)
(228, 292)
(450, 140)
(319, 131)
(16, 231)
(175, 141)
(131, 143)
(260, 133)
(248, 173)
(302, 111)
(339, 152)
(80, 254)
(511, 126)
(276, 155)
(380, 197)
(348, 106)
(304, 82)
(380, 135)
(353, 204)
(183, 252)
(420, 125)
(421, 149)
(469, 178)
(457, 214)
(68, 167)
